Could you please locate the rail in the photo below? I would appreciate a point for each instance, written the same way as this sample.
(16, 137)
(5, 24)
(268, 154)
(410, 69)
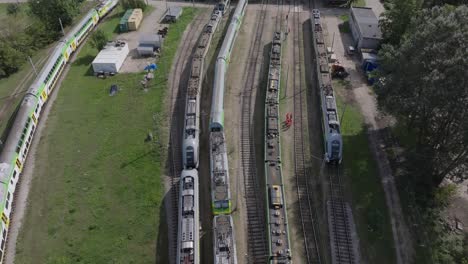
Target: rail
(307, 214)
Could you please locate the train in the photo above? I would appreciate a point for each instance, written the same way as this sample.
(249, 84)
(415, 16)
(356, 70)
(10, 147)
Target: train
(277, 219)
(188, 225)
(221, 195)
(224, 244)
(191, 140)
(224, 239)
(188, 248)
(333, 142)
(223, 5)
(15, 150)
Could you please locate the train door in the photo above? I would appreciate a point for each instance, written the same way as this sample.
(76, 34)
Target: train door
(190, 157)
(335, 150)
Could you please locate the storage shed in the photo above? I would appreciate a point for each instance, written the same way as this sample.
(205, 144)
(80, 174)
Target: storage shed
(123, 24)
(135, 19)
(111, 58)
(148, 44)
(364, 28)
(172, 14)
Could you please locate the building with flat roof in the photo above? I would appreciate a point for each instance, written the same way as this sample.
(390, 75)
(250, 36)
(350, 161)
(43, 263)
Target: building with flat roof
(364, 27)
(111, 58)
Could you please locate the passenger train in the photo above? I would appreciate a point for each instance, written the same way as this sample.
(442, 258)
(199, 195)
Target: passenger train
(221, 195)
(224, 245)
(188, 246)
(15, 149)
(333, 142)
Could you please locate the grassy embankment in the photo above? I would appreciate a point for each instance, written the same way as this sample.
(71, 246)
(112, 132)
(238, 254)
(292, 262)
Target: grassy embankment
(96, 195)
(25, 76)
(369, 206)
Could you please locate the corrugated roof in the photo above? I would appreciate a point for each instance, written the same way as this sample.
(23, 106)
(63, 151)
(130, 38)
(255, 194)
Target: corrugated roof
(367, 22)
(111, 54)
(174, 11)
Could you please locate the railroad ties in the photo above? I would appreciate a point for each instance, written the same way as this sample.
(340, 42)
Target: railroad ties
(343, 245)
(256, 240)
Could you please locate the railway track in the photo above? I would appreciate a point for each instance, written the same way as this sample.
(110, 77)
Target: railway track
(302, 173)
(339, 220)
(256, 233)
(177, 108)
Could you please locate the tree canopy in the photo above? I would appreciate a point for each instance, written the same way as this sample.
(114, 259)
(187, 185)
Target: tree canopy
(425, 84)
(50, 11)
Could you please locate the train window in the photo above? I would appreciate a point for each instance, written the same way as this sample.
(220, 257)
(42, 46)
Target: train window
(8, 196)
(14, 174)
(4, 233)
(11, 181)
(7, 203)
(335, 149)
(3, 243)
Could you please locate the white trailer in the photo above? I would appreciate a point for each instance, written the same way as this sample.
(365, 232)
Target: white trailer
(111, 58)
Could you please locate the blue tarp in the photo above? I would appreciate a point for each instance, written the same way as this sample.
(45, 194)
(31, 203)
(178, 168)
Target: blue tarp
(152, 66)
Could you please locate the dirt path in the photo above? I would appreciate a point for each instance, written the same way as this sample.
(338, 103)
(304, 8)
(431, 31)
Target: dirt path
(365, 98)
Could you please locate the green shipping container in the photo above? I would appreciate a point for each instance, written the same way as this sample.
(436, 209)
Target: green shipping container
(123, 25)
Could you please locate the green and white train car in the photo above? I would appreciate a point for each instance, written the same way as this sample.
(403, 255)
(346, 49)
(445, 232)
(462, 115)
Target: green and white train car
(15, 150)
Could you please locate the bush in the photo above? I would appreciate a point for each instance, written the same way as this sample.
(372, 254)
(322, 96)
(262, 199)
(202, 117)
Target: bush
(13, 9)
(130, 4)
(99, 39)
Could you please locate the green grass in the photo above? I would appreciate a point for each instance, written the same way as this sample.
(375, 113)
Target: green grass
(359, 3)
(96, 196)
(344, 27)
(21, 17)
(369, 206)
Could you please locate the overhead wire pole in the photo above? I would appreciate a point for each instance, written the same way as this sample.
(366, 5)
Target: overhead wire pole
(61, 26)
(32, 64)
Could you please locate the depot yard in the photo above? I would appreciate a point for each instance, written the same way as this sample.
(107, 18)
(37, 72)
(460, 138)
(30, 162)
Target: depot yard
(96, 196)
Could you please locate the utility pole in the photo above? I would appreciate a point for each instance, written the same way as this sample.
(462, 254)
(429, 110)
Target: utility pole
(61, 26)
(333, 41)
(32, 64)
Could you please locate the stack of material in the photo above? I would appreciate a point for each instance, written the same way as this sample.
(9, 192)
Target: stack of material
(111, 58)
(134, 20)
(123, 25)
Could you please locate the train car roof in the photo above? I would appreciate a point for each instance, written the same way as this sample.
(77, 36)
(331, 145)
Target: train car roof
(83, 21)
(46, 69)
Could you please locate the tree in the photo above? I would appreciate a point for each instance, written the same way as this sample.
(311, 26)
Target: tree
(396, 18)
(431, 3)
(10, 59)
(425, 83)
(50, 11)
(99, 39)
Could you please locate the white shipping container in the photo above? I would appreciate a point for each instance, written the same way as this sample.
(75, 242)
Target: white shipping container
(111, 58)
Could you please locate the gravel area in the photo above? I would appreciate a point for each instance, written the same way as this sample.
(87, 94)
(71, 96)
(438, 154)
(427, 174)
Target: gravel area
(150, 25)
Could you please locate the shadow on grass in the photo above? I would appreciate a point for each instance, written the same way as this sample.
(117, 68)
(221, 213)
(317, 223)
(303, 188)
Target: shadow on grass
(9, 125)
(162, 247)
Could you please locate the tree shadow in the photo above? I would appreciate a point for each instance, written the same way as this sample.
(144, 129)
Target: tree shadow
(162, 247)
